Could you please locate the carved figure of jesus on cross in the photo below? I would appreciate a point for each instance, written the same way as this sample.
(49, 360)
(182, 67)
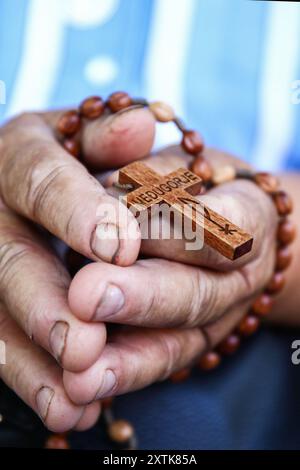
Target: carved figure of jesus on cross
(177, 189)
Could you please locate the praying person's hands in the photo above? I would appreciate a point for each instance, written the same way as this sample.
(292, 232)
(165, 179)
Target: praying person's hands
(41, 183)
(176, 303)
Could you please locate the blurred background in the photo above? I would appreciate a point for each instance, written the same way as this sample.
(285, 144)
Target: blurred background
(227, 67)
(231, 69)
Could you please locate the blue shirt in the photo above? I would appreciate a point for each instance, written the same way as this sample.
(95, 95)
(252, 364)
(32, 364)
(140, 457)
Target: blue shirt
(227, 67)
(230, 69)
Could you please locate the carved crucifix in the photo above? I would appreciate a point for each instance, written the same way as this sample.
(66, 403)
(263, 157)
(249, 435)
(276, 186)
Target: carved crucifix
(177, 189)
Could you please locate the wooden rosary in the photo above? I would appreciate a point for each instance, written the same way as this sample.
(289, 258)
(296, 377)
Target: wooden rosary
(178, 189)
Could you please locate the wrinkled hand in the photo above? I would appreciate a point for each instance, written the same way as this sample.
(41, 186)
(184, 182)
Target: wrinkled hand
(40, 182)
(182, 299)
(188, 301)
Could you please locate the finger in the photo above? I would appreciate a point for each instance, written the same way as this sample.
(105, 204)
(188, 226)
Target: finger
(41, 181)
(134, 359)
(239, 201)
(130, 368)
(113, 140)
(90, 417)
(36, 378)
(34, 286)
(158, 293)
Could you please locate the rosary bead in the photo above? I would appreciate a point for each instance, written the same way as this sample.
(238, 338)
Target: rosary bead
(180, 375)
(248, 325)
(118, 101)
(120, 431)
(92, 107)
(283, 258)
(230, 344)
(162, 111)
(277, 283)
(262, 305)
(57, 441)
(286, 232)
(69, 123)
(72, 147)
(209, 361)
(202, 168)
(267, 182)
(223, 174)
(283, 203)
(192, 142)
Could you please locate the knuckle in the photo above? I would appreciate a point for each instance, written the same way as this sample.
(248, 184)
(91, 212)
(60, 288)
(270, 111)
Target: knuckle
(22, 119)
(42, 186)
(11, 254)
(14, 377)
(18, 372)
(25, 118)
(3, 322)
(18, 127)
(171, 348)
(149, 305)
(157, 302)
(204, 301)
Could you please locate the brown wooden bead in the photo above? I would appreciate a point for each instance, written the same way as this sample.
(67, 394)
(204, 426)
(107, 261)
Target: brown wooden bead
(180, 375)
(69, 123)
(283, 203)
(57, 441)
(118, 101)
(92, 107)
(72, 147)
(120, 431)
(223, 174)
(277, 283)
(192, 142)
(262, 305)
(267, 182)
(286, 232)
(248, 325)
(230, 344)
(202, 168)
(162, 111)
(209, 360)
(283, 258)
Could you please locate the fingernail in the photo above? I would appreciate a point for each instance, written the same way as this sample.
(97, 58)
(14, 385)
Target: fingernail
(58, 339)
(108, 383)
(105, 241)
(43, 401)
(111, 302)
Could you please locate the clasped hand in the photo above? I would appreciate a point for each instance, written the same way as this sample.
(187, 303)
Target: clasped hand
(173, 301)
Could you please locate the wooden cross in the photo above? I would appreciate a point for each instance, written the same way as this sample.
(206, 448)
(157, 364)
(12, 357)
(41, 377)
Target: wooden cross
(177, 190)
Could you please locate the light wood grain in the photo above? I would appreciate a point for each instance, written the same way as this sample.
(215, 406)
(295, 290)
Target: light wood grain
(177, 189)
